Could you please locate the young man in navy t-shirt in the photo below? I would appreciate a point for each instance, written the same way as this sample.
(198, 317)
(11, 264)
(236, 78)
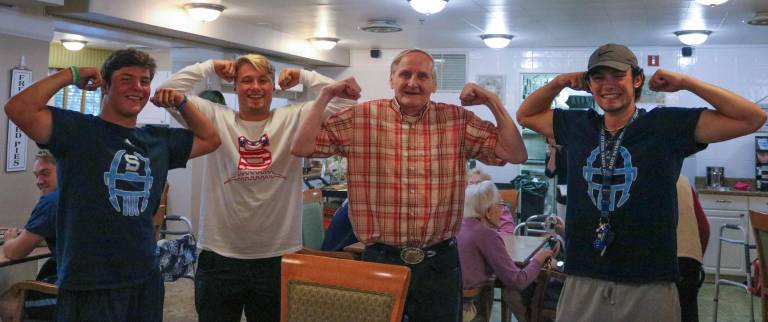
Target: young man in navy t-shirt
(623, 166)
(111, 175)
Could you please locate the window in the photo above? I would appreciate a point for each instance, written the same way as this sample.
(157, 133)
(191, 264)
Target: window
(451, 71)
(74, 99)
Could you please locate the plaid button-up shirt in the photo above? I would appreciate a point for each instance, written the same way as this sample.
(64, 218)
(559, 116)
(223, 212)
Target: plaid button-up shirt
(406, 174)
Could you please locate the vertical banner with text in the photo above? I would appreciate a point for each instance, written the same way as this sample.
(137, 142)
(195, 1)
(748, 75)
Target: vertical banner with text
(16, 144)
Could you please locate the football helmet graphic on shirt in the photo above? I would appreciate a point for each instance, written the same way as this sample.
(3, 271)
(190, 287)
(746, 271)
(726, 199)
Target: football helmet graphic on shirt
(253, 155)
(129, 179)
(624, 174)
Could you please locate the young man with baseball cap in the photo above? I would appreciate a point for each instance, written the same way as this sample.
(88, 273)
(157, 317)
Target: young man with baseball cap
(622, 205)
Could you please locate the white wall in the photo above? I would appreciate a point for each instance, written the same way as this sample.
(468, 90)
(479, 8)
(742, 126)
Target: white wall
(742, 69)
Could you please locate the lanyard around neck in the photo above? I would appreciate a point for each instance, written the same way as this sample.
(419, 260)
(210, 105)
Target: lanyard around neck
(607, 164)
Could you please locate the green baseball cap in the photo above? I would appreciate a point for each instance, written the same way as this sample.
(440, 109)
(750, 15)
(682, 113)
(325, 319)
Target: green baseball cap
(613, 56)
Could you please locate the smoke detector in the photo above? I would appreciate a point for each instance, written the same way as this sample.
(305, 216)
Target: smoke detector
(760, 19)
(382, 26)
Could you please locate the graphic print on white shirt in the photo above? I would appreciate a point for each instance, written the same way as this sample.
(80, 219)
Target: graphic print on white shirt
(255, 160)
(130, 178)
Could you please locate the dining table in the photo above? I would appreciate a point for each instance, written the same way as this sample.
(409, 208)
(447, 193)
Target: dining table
(39, 252)
(518, 247)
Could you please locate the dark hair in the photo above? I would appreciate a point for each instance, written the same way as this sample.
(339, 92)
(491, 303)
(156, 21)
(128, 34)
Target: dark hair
(636, 71)
(127, 58)
(213, 96)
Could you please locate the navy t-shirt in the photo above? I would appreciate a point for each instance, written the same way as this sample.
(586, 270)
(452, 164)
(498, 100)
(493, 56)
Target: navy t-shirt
(110, 182)
(644, 197)
(42, 222)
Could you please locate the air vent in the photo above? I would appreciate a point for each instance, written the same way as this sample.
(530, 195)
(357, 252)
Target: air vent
(760, 19)
(451, 71)
(382, 26)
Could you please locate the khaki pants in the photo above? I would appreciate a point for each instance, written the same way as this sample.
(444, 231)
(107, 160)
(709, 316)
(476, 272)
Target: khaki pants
(591, 300)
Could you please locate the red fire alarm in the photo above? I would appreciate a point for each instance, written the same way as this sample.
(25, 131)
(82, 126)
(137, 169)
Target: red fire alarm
(653, 60)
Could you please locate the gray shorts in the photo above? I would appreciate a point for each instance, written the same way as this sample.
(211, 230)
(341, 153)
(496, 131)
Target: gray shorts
(586, 299)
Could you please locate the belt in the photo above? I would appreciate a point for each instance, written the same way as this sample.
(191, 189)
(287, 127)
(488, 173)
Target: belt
(415, 255)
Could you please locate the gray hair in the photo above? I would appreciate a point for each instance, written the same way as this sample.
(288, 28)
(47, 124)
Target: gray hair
(478, 198)
(399, 57)
(45, 155)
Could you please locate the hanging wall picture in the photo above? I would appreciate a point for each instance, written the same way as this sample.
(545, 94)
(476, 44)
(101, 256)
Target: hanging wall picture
(493, 83)
(16, 143)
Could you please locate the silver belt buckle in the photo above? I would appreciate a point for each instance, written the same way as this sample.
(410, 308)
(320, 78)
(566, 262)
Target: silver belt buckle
(412, 255)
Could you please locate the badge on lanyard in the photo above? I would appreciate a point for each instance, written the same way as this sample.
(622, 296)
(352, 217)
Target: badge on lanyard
(603, 234)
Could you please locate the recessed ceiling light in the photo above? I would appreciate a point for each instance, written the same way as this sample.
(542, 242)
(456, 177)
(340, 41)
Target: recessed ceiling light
(428, 7)
(205, 12)
(711, 3)
(496, 41)
(73, 44)
(692, 37)
(323, 43)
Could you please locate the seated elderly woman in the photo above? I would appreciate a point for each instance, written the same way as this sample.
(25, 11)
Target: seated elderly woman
(482, 252)
(507, 222)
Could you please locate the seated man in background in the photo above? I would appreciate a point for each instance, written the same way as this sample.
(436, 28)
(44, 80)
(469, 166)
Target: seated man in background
(40, 226)
(482, 251)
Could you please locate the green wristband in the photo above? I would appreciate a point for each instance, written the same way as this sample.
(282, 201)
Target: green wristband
(75, 74)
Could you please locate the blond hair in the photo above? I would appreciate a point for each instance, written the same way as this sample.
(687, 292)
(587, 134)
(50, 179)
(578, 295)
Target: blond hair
(259, 62)
(45, 155)
(478, 198)
(401, 55)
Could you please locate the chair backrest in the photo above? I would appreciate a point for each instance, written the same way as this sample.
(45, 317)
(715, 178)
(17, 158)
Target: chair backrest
(12, 300)
(316, 288)
(312, 219)
(510, 196)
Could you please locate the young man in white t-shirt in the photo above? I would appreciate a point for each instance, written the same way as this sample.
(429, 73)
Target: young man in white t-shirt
(251, 209)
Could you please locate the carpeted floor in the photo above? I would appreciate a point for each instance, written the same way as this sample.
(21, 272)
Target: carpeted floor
(734, 304)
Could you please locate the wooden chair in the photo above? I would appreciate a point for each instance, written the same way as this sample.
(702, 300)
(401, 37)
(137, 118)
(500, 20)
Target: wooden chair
(759, 222)
(316, 288)
(509, 196)
(538, 309)
(12, 300)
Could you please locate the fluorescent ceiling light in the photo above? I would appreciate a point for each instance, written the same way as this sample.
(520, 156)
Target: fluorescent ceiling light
(711, 3)
(205, 12)
(323, 43)
(693, 37)
(428, 7)
(496, 41)
(73, 45)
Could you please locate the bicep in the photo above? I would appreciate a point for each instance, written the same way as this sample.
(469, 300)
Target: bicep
(715, 127)
(540, 123)
(200, 147)
(37, 125)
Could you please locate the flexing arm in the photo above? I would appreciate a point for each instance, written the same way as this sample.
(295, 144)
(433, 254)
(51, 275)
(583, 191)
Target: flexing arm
(19, 243)
(535, 112)
(28, 109)
(314, 82)
(304, 142)
(509, 146)
(206, 139)
(733, 116)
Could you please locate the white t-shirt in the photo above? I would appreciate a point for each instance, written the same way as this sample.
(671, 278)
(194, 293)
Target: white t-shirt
(251, 202)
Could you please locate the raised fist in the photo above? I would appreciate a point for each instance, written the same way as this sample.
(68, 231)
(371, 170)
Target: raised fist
(289, 77)
(345, 88)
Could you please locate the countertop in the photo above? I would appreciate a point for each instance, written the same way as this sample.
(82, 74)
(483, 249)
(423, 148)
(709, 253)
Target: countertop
(701, 188)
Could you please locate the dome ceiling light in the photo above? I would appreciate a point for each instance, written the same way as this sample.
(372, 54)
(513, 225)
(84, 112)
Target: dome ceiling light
(496, 41)
(693, 37)
(205, 12)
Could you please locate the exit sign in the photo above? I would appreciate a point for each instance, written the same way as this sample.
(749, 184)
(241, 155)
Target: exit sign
(653, 60)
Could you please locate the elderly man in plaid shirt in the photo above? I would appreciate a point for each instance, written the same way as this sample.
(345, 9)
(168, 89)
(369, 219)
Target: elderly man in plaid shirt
(407, 173)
